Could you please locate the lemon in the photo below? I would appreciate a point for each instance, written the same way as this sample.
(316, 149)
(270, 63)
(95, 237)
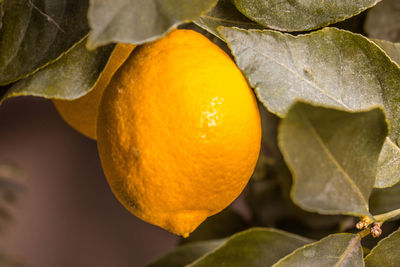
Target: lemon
(81, 113)
(178, 131)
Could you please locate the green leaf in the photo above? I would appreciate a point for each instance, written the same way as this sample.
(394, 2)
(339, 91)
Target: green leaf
(390, 156)
(383, 21)
(139, 21)
(186, 254)
(386, 253)
(254, 247)
(37, 32)
(388, 166)
(338, 250)
(333, 157)
(392, 49)
(329, 67)
(224, 14)
(220, 225)
(289, 15)
(385, 200)
(70, 77)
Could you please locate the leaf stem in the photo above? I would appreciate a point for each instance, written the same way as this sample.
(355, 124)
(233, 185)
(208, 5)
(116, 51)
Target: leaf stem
(364, 233)
(387, 216)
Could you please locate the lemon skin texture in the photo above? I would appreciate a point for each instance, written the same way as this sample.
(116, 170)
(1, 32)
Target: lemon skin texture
(178, 132)
(81, 113)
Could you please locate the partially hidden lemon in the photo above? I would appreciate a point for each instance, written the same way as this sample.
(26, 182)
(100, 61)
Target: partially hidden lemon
(178, 131)
(81, 113)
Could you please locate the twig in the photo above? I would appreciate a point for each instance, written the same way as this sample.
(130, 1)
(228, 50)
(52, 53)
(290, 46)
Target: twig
(387, 216)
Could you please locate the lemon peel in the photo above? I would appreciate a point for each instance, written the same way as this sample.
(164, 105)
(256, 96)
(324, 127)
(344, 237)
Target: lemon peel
(178, 131)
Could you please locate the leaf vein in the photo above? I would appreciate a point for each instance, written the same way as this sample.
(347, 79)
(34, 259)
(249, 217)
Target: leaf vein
(335, 162)
(302, 78)
(348, 250)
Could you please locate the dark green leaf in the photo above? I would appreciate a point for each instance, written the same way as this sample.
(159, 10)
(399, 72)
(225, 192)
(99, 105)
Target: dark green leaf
(386, 253)
(385, 200)
(329, 67)
(289, 15)
(37, 32)
(186, 254)
(338, 250)
(224, 14)
(222, 224)
(333, 157)
(70, 77)
(383, 21)
(254, 247)
(139, 21)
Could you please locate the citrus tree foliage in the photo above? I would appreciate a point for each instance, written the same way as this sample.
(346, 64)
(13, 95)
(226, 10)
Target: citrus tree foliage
(331, 139)
(330, 108)
(111, 21)
(290, 15)
(386, 253)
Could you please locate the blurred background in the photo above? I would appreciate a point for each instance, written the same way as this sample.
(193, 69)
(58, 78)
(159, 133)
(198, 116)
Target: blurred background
(65, 214)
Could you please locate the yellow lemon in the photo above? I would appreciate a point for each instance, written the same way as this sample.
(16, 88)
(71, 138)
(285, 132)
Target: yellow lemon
(81, 113)
(178, 131)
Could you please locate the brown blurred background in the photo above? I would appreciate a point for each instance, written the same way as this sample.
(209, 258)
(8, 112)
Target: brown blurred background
(67, 215)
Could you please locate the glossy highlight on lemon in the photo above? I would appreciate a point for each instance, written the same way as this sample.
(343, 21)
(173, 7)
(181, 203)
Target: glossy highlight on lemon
(81, 113)
(178, 131)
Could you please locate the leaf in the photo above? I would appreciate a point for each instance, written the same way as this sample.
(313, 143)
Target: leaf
(390, 155)
(336, 250)
(388, 165)
(383, 21)
(333, 157)
(385, 200)
(70, 77)
(289, 15)
(392, 49)
(224, 14)
(386, 253)
(269, 154)
(329, 67)
(139, 21)
(254, 247)
(220, 225)
(35, 33)
(186, 254)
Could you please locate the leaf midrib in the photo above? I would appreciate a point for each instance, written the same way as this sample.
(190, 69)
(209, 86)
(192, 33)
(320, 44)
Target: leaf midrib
(348, 250)
(335, 162)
